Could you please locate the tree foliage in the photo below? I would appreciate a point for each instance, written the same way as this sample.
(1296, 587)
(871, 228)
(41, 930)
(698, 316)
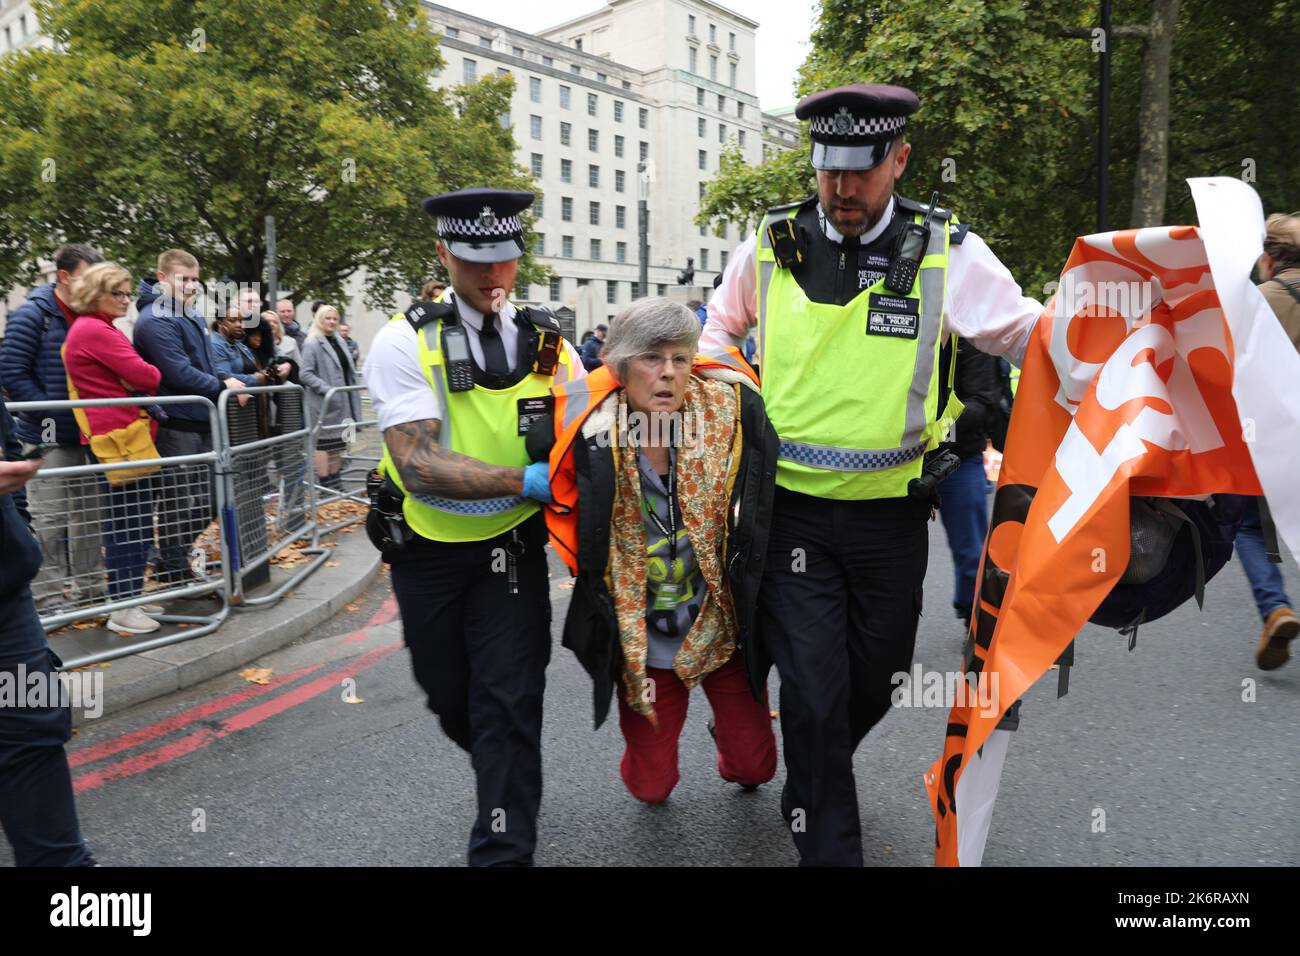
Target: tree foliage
(160, 123)
(1007, 125)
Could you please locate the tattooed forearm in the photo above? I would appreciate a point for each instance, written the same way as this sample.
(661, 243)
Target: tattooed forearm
(426, 469)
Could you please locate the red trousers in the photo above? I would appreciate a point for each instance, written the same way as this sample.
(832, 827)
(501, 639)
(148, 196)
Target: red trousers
(742, 728)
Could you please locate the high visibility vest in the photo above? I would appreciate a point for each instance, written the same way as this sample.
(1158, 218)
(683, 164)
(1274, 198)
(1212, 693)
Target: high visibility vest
(482, 423)
(855, 412)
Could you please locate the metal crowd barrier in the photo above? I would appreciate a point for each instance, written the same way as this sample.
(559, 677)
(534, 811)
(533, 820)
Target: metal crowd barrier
(94, 535)
(362, 446)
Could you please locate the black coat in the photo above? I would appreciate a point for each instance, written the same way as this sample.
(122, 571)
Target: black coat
(977, 385)
(591, 627)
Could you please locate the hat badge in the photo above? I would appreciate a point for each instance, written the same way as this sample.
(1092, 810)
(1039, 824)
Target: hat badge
(842, 122)
(487, 218)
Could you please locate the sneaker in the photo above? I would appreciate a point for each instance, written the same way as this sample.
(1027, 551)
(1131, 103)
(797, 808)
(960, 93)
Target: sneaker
(153, 610)
(1280, 628)
(132, 621)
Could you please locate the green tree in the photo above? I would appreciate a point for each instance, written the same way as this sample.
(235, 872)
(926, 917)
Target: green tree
(160, 123)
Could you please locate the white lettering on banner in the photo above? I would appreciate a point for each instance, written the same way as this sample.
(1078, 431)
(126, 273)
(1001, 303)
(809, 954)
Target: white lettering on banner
(1191, 428)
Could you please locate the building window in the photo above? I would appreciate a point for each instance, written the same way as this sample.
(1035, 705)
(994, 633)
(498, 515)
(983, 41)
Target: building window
(722, 132)
(620, 251)
(537, 164)
(722, 103)
(620, 217)
(700, 125)
(453, 33)
(539, 245)
(611, 293)
(740, 107)
(601, 78)
(555, 288)
(620, 180)
(699, 96)
(644, 151)
(535, 89)
(591, 104)
(593, 176)
(618, 146)
(564, 97)
(740, 138)
(593, 213)
(566, 247)
(627, 85)
(595, 249)
(593, 140)
(731, 42)
(517, 51)
(537, 207)
(535, 126)
(643, 118)
(713, 33)
(566, 170)
(704, 259)
(733, 76)
(471, 71)
(618, 111)
(701, 190)
(704, 230)
(577, 44)
(722, 261)
(663, 289)
(547, 61)
(690, 24)
(566, 133)
(713, 68)
(566, 209)
(575, 69)
(691, 60)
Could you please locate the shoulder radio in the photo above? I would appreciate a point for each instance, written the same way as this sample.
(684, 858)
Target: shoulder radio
(909, 250)
(455, 351)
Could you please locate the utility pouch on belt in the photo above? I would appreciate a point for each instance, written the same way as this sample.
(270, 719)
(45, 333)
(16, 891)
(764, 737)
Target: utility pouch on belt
(386, 526)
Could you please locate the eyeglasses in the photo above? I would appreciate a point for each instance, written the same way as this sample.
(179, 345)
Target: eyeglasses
(120, 295)
(653, 361)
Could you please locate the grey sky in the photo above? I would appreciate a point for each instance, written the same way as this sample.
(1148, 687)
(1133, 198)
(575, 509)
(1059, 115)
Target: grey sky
(784, 28)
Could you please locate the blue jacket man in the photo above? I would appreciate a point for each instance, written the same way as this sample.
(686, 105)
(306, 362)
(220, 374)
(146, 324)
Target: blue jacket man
(37, 809)
(178, 345)
(65, 511)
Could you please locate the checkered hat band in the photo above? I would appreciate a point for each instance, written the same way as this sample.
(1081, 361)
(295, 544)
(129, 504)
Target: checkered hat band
(861, 127)
(847, 459)
(503, 228)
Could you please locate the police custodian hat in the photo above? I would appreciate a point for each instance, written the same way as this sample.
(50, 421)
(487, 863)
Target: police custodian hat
(481, 225)
(851, 127)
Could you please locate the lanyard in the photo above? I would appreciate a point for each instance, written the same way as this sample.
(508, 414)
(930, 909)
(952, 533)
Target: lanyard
(671, 530)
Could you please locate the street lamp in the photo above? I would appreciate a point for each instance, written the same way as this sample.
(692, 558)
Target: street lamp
(643, 225)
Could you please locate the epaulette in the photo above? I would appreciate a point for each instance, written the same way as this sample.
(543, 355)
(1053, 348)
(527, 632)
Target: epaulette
(422, 313)
(791, 205)
(540, 317)
(911, 205)
(957, 232)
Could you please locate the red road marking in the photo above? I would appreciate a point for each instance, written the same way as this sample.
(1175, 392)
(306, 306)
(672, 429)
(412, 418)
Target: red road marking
(241, 721)
(386, 612)
(145, 734)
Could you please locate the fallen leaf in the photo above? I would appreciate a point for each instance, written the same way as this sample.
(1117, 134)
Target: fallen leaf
(331, 564)
(354, 606)
(256, 675)
(104, 664)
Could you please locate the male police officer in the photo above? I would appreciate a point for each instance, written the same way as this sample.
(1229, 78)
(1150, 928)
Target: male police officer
(455, 385)
(853, 293)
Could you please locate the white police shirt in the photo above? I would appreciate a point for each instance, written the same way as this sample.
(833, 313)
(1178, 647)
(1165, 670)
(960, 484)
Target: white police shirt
(982, 302)
(400, 392)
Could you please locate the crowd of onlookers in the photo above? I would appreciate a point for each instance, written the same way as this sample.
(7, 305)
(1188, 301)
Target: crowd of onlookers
(67, 341)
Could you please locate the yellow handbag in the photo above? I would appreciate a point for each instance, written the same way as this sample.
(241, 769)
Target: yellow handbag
(133, 442)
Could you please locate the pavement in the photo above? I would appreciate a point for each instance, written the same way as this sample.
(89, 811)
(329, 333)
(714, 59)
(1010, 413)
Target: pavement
(246, 634)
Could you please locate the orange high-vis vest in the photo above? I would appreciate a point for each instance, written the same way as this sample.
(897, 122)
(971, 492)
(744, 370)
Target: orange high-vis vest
(574, 401)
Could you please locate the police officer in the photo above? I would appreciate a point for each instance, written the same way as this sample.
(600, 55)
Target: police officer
(853, 293)
(455, 384)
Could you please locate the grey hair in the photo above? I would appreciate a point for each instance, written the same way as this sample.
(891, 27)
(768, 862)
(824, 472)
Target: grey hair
(646, 325)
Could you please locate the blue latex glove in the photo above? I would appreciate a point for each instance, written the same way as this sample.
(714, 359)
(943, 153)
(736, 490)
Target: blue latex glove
(537, 482)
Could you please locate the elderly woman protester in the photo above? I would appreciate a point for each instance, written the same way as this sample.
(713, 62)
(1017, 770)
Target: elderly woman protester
(326, 364)
(661, 465)
(101, 363)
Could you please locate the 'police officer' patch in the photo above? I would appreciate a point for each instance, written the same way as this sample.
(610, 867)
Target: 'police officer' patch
(531, 409)
(899, 325)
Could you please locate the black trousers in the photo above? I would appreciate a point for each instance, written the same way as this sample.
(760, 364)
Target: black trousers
(37, 810)
(480, 654)
(840, 601)
(183, 500)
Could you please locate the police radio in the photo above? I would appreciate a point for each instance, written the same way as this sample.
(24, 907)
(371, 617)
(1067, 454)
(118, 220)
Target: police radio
(909, 250)
(455, 349)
